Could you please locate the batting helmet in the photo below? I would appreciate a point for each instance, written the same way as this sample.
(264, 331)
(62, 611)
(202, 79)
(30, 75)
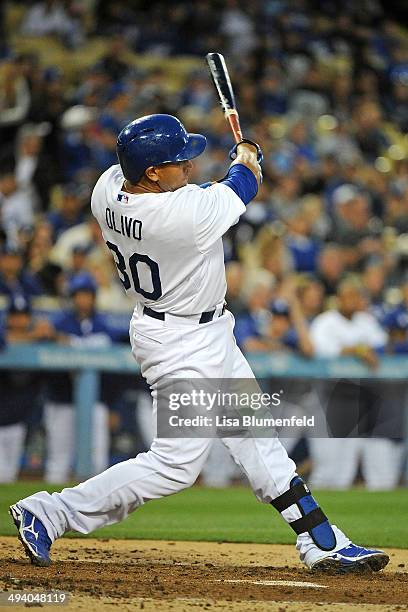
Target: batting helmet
(153, 140)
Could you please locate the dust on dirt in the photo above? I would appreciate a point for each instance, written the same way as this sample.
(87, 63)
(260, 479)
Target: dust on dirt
(185, 576)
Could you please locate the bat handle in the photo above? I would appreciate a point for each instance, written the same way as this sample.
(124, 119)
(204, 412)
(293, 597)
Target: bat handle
(233, 119)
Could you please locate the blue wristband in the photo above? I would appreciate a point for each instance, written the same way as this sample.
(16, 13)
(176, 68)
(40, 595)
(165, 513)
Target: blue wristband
(242, 181)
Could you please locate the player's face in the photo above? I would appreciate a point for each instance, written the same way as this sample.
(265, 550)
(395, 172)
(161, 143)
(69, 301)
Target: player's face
(173, 176)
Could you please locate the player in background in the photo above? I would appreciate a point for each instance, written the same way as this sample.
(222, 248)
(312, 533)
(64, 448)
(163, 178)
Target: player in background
(166, 238)
(80, 326)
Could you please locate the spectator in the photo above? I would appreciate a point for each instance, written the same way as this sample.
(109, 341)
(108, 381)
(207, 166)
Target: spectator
(396, 209)
(369, 134)
(81, 327)
(114, 62)
(111, 297)
(16, 204)
(303, 248)
(79, 260)
(40, 264)
(235, 276)
(198, 93)
(70, 212)
(272, 94)
(110, 123)
(285, 199)
(311, 296)
(33, 163)
(78, 123)
(87, 235)
(14, 101)
(330, 267)
(270, 252)
(373, 279)
(251, 326)
(49, 18)
(354, 227)
(283, 327)
(14, 279)
(238, 28)
(20, 389)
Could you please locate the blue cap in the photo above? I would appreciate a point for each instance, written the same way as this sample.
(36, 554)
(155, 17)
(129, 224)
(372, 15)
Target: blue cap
(82, 282)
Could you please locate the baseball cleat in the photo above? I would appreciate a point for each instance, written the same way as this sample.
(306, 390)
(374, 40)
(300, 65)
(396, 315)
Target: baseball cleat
(352, 558)
(33, 536)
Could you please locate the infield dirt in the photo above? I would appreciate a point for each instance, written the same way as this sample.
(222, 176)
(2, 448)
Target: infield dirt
(184, 576)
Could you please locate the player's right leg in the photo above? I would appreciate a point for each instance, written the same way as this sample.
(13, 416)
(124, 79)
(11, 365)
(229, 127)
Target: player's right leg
(273, 478)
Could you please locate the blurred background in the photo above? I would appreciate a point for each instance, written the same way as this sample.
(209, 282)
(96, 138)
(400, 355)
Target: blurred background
(316, 267)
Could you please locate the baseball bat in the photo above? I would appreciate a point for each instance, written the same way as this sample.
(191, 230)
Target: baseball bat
(219, 74)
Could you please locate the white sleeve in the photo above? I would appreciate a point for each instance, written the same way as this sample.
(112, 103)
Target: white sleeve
(218, 209)
(325, 342)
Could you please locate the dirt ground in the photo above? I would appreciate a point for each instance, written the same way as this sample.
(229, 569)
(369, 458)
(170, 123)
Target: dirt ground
(189, 576)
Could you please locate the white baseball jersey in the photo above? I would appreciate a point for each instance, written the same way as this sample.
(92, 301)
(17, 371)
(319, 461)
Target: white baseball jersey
(167, 246)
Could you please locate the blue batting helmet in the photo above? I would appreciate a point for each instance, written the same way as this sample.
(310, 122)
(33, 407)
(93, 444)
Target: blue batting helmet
(153, 140)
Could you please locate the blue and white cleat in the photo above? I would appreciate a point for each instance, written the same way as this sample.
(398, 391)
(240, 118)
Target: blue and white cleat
(352, 558)
(33, 536)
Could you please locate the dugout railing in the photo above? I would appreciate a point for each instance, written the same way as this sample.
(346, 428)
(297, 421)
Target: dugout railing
(87, 366)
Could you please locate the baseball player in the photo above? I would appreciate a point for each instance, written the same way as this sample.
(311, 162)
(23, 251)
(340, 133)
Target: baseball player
(80, 326)
(166, 238)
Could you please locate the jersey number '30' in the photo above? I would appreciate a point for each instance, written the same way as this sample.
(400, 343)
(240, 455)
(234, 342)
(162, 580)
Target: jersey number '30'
(133, 261)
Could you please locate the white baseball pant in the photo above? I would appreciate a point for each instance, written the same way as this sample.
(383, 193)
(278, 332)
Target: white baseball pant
(180, 348)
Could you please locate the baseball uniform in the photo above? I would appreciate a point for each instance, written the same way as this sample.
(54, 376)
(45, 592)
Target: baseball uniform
(168, 249)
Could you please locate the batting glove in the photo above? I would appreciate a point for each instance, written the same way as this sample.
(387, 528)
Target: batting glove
(233, 153)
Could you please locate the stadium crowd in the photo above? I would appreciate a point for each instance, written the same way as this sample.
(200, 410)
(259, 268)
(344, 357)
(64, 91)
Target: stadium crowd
(318, 263)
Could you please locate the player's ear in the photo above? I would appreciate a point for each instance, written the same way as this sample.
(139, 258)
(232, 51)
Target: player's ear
(152, 174)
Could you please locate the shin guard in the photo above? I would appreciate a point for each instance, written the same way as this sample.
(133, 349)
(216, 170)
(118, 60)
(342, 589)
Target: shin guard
(313, 520)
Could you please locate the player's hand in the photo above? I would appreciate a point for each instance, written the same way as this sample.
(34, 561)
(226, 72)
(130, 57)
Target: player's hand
(246, 145)
(248, 153)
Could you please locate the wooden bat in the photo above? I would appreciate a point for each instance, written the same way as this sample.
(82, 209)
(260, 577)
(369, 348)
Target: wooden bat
(222, 82)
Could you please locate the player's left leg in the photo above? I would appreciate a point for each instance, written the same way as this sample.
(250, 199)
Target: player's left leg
(273, 478)
(108, 498)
